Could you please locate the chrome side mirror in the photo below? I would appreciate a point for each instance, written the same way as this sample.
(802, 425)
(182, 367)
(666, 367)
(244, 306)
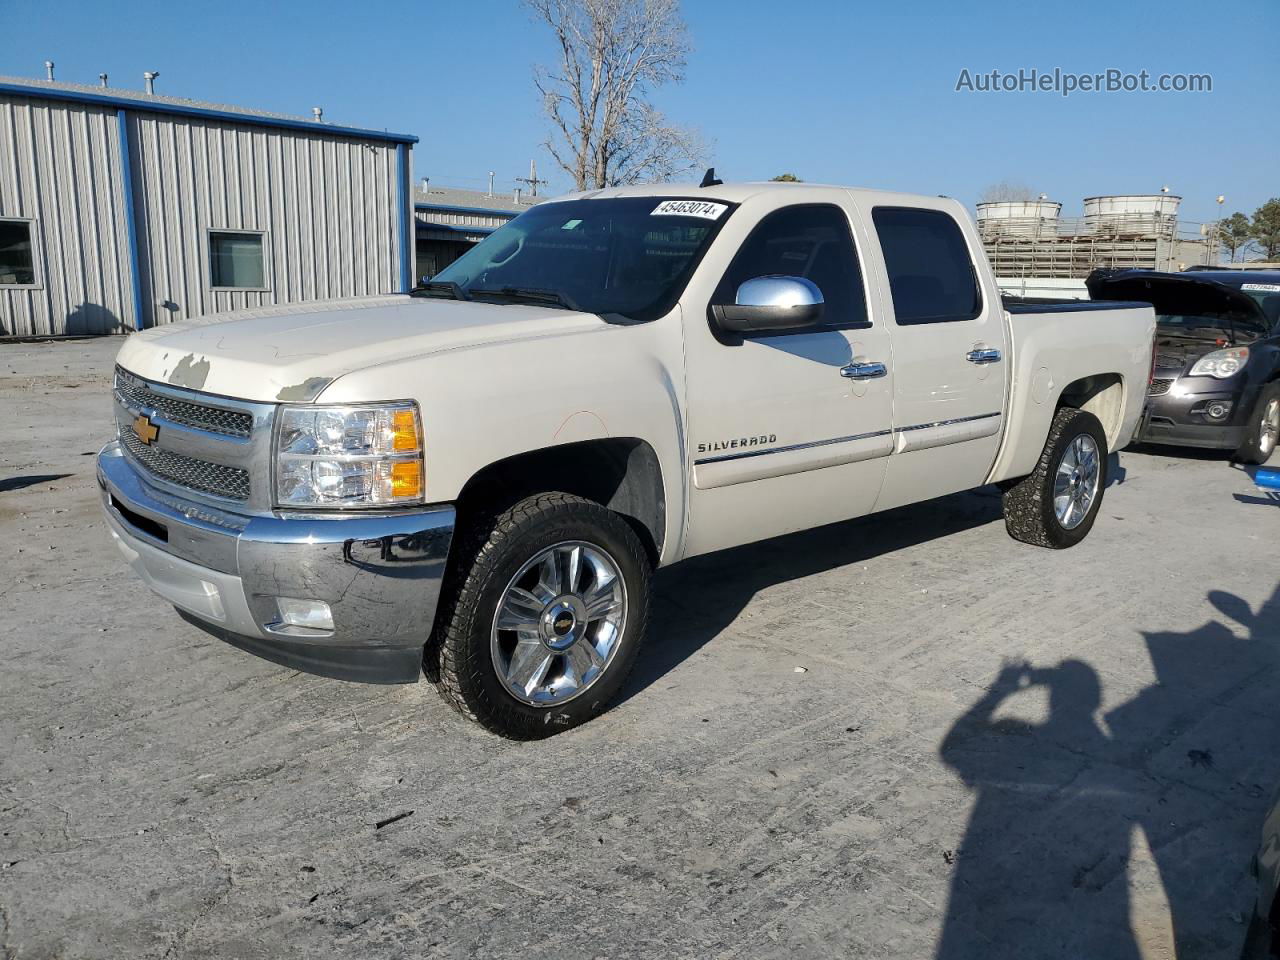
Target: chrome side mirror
(766, 304)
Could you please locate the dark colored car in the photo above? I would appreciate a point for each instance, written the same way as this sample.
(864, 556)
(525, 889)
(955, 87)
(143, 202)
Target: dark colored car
(1263, 939)
(1216, 380)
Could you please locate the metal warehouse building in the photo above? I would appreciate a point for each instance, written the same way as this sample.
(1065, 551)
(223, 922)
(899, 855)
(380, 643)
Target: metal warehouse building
(450, 222)
(121, 210)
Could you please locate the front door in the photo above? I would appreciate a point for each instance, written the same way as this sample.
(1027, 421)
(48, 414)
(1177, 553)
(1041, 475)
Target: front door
(782, 435)
(950, 356)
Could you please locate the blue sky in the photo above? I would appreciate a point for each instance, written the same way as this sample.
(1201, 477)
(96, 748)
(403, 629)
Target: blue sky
(856, 92)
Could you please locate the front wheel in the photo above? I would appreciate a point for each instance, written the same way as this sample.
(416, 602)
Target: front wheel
(1264, 428)
(543, 617)
(1056, 505)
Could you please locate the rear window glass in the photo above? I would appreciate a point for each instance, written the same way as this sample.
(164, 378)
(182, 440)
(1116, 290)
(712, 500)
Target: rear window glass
(931, 277)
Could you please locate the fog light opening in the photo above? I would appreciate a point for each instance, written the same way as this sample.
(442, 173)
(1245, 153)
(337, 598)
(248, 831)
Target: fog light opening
(308, 614)
(1217, 410)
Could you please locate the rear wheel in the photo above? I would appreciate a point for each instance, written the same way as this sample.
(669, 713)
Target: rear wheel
(1264, 428)
(543, 618)
(1056, 505)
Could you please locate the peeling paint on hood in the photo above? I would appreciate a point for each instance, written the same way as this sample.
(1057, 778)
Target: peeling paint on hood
(293, 353)
(190, 372)
(303, 392)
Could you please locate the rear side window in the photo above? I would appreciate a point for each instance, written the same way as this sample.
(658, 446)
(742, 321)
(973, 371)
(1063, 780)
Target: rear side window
(811, 241)
(931, 276)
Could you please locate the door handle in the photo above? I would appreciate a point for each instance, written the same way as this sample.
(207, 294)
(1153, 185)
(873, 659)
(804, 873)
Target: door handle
(864, 371)
(984, 355)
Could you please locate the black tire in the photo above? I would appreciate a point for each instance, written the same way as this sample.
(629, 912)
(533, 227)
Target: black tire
(484, 560)
(1029, 515)
(1257, 447)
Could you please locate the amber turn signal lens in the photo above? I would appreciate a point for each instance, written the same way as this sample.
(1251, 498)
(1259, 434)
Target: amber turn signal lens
(404, 430)
(406, 479)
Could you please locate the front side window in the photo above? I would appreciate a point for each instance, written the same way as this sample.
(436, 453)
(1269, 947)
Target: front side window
(807, 240)
(236, 260)
(931, 277)
(17, 254)
(630, 256)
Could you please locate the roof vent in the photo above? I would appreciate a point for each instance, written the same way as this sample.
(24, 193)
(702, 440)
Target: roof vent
(102, 79)
(48, 69)
(150, 77)
(318, 113)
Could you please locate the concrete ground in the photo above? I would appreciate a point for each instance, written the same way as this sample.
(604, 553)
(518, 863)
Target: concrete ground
(907, 736)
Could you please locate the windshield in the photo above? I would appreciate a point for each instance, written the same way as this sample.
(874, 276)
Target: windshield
(630, 256)
(1267, 297)
(1234, 325)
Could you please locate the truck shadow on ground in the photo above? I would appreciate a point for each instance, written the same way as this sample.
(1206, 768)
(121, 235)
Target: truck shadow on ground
(697, 599)
(700, 597)
(1185, 767)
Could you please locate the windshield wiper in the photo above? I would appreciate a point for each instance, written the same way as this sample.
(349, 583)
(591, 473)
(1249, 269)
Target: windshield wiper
(551, 298)
(438, 288)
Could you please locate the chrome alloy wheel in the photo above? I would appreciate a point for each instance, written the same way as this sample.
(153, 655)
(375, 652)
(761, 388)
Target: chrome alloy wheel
(1075, 482)
(558, 624)
(1270, 429)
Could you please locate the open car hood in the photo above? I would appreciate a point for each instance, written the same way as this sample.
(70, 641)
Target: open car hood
(1172, 294)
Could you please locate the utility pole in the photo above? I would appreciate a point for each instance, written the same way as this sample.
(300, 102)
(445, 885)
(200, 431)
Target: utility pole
(532, 179)
(1217, 234)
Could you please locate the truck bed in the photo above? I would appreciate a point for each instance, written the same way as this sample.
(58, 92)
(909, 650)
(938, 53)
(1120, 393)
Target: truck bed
(1015, 304)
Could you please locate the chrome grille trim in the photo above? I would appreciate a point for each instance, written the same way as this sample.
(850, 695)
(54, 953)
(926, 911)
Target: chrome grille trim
(136, 394)
(194, 462)
(211, 478)
(1159, 387)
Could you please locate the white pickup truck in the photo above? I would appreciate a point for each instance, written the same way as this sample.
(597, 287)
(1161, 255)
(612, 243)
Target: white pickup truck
(486, 472)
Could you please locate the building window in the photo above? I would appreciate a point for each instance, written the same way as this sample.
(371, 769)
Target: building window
(17, 254)
(236, 260)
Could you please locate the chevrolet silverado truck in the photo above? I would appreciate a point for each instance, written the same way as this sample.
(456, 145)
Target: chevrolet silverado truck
(479, 479)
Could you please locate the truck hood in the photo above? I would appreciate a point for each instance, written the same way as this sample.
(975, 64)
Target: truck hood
(292, 353)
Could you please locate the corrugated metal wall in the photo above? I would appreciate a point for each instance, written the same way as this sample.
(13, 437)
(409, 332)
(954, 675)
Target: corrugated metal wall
(329, 207)
(60, 168)
(460, 218)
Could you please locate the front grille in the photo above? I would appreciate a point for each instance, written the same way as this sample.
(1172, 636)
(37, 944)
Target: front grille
(231, 423)
(1169, 361)
(213, 478)
(1159, 388)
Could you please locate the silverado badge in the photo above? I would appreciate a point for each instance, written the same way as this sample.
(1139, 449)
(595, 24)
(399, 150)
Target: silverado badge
(145, 429)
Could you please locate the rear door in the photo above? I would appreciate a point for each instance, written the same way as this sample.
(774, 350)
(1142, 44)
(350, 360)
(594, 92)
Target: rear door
(949, 339)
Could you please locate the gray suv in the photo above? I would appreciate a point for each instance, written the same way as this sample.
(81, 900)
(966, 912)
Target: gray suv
(1216, 374)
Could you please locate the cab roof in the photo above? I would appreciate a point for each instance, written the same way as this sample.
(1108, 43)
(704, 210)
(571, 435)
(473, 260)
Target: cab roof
(739, 192)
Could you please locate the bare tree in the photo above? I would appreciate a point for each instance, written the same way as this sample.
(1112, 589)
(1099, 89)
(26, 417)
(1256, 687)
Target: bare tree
(613, 55)
(1007, 190)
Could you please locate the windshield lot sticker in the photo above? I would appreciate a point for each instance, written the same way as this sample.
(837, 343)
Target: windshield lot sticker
(1261, 287)
(689, 208)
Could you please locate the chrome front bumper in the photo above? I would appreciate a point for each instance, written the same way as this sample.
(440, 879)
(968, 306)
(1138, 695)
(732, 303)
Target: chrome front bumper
(380, 574)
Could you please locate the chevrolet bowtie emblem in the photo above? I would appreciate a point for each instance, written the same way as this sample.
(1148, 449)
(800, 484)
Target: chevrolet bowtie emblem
(145, 429)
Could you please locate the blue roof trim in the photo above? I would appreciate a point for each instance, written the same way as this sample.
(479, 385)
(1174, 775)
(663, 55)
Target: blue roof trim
(483, 211)
(228, 116)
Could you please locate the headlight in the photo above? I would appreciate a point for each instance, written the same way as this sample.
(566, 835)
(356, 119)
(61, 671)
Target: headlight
(1221, 363)
(349, 456)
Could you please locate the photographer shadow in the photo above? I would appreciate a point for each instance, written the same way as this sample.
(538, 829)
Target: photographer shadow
(1184, 767)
